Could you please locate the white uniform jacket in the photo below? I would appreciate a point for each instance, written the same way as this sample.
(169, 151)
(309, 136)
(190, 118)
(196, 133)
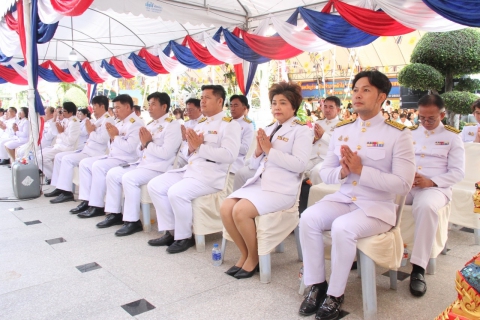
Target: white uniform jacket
(246, 142)
(209, 163)
(8, 132)
(283, 167)
(23, 132)
(67, 140)
(469, 132)
(124, 146)
(167, 138)
(386, 150)
(320, 147)
(82, 138)
(439, 156)
(49, 133)
(97, 142)
(191, 123)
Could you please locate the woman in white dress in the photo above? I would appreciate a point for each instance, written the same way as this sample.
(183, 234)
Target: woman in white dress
(22, 133)
(178, 113)
(282, 153)
(82, 115)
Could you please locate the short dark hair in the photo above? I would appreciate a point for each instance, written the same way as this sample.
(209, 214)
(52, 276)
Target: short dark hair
(13, 109)
(102, 101)
(162, 97)
(178, 111)
(388, 102)
(2, 110)
(376, 79)
(243, 100)
(291, 91)
(431, 99)
(395, 111)
(403, 115)
(195, 102)
(137, 108)
(70, 107)
(25, 111)
(476, 105)
(335, 100)
(218, 91)
(124, 99)
(86, 112)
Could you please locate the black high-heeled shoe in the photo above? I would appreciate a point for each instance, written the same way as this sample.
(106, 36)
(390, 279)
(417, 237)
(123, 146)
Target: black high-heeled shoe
(233, 270)
(242, 274)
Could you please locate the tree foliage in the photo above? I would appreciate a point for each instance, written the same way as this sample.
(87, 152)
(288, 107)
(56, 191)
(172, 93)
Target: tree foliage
(467, 84)
(420, 76)
(459, 102)
(76, 96)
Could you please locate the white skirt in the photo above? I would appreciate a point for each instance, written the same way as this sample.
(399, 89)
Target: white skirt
(264, 201)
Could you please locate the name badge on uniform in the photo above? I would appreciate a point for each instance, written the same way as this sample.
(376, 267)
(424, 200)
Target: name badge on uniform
(160, 129)
(282, 138)
(375, 144)
(442, 143)
(342, 138)
(471, 133)
(212, 132)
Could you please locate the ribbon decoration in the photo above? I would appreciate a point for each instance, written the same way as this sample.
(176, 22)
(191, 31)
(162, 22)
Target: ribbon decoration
(464, 12)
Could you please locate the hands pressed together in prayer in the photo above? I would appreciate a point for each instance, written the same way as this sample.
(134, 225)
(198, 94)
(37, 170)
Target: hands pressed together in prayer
(15, 127)
(184, 132)
(319, 131)
(145, 136)
(112, 131)
(89, 126)
(421, 181)
(263, 143)
(194, 140)
(60, 128)
(350, 162)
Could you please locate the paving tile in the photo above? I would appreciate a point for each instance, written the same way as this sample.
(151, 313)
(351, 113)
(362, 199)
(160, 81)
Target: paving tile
(15, 209)
(400, 275)
(88, 267)
(469, 230)
(55, 241)
(29, 223)
(137, 307)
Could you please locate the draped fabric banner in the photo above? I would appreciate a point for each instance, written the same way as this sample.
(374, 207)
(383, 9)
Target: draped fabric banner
(71, 8)
(221, 51)
(110, 69)
(152, 61)
(47, 13)
(171, 65)
(465, 12)
(241, 49)
(91, 73)
(9, 43)
(63, 75)
(83, 73)
(263, 46)
(201, 53)
(33, 58)
(9, 75)
(129, 65)
(142, 65)
(118, 65)
(185, 56)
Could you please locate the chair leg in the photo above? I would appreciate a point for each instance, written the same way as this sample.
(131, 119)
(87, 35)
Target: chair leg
(445, 249)
(299, 245)
(301, 290)
(432, 266)
(393, 279)
(369, 288)
(265, 269)
(359, 269)
(147, 225)
(224, 246)
(73, 188)
(476, 234)
(280, 248)
(200, 242)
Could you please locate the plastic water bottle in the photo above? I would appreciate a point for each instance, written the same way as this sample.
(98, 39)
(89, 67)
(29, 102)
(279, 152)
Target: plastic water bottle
(30, 156)
(405, 256)
(216, 255)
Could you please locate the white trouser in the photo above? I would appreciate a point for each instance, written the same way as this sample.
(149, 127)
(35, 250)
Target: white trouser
(347, 224)
(314, 173)
(3, 152)
(425, 205)
(131, 178)
(93, 184)
(65, 162)
(20, 152)
(13, 144)
(242, 175)
(172, 196)
(45, 158)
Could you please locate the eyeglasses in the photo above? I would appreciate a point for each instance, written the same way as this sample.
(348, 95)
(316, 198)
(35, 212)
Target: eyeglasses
(428, 120)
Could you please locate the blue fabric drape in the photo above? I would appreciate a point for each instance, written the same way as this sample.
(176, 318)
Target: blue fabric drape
(4, 58)
(84, 74)
(47, 75)
(142, 65)
(335, 29)
(251, 74)
(93, 93)
(110, 69)
(240, 48)
(185, 56)
(45, 32)
(464, 12)
(2, 81)
(33, 59)
(218, 34)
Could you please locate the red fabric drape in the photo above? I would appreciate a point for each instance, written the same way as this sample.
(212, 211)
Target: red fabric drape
(271, 47)
(153, 61)
(200, 52)
(120, 68)
(65, 77)
(12, 76)
(12, 23)
(71, 8)
(376, 23)
(21, 30)
(40, 130)
(93, 75)
(240, 78)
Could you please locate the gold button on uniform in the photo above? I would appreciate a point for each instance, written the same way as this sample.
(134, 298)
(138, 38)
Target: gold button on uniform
(354, 198)
(422, 155)
(190, 162)
(354, 183)
(363, 129)
(420, 168)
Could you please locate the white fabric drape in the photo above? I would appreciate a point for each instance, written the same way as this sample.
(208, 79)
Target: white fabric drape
(129, 66)
(9, 42)
(220, 51)
(74, 72)
(171, 65)
(46, 12)
(102, 73)
(22, 71)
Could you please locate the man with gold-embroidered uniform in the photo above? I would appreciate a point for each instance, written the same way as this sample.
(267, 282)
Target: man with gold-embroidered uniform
(471, 132)
(440, 163)
(96, 145)
(159, 144)
(373, 160)
(194, 114)
(122, 144)
(67, 138)
(212, 147)
(238, 106)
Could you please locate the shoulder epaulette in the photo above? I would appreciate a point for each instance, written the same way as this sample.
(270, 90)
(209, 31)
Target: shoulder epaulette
(246, 119)
(132, 120)
(74, 119)
(107, 115)
(299, 122)
(396, 125)
(452, 129)
(470, 124)
(169, 119)
(344, 122)
(202, 120)
(272, 123)
(227, 119)
(149, 122)
(415, 127)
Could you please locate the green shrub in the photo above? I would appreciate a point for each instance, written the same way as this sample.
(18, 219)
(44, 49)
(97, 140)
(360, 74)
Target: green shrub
(459, 102)
(420, 76)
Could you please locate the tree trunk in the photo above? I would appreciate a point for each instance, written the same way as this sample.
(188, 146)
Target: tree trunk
(449, 82)
(452, 118)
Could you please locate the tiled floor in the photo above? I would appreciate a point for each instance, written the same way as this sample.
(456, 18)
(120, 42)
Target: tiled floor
(56, 266)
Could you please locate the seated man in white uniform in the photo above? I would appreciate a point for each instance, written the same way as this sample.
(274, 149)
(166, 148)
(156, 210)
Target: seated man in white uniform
(373, 160)
(440, 163)
(159, 144)
(21, 130)
(471, 132)
(194, 114)
(67, 138)
(123, 142)
(8, 134)
(212, 147)
(95, 146)
(238, 105)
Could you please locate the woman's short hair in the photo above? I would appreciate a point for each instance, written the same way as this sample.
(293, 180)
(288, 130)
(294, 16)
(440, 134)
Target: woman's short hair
(25, 111)
(178, 111)
(291, 91)
(476, 105)
(85, 112)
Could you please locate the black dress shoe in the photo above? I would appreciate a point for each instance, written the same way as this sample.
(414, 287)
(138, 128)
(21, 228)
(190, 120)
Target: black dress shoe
(92, 212)
(4, 162)
(48, 181)
(181, 245)
(233, 270)
(54, 193)
(243, 274)
(81, 207)
(112, 219)
(418, 286)
(129, 228)
(166, 240)
(330, 308)
(64, 197)
(313, 299)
